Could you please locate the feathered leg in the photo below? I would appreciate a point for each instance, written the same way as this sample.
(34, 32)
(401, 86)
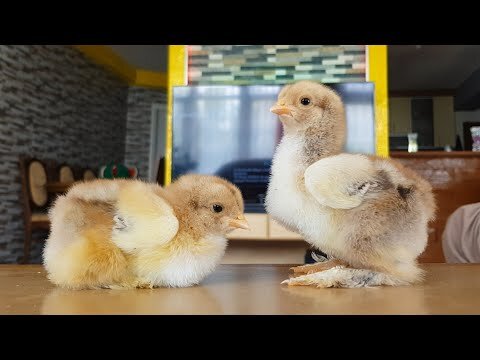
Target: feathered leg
(342, 277)
(317, 267)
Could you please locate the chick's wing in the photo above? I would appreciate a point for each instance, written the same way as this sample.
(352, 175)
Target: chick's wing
(143, 219)
(341, 181)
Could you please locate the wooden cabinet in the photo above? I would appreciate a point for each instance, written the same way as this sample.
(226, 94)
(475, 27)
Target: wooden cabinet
(278, 232)
(455, 178)
(258, 225)
(434, 252)
(263, 227)
(267, 243)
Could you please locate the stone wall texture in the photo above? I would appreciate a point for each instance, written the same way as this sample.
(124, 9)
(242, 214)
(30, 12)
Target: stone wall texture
(139, 115)
(55, 104)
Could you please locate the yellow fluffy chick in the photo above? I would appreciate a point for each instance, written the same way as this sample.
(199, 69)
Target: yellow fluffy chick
(129, 233)
(369, 214)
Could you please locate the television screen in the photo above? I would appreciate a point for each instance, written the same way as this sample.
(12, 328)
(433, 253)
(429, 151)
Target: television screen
(229, 131)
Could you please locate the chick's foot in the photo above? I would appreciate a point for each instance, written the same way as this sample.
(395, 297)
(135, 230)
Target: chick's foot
(341, 277)
(317, 267)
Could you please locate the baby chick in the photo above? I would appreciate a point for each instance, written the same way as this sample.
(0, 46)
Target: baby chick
(369, 214)
(128, 233)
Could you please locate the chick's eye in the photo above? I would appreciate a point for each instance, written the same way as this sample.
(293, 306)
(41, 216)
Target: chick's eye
(217, 208)
(305, 101)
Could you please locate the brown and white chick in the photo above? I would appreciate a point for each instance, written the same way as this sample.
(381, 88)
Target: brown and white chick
(369, 214)
(129, 233)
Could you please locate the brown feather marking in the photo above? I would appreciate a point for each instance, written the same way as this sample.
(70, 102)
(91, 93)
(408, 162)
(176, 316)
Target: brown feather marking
(404, 191)
(383, 180)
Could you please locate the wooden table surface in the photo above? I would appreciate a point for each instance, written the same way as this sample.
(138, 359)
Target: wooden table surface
(245, 289)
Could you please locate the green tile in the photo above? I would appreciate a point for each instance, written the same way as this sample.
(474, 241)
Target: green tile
(259, 64)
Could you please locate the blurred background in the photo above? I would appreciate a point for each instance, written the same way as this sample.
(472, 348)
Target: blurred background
(154, 112)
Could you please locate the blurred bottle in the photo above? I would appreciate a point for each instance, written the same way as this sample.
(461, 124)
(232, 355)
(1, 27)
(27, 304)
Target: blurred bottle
(475, 130)
(412, 142)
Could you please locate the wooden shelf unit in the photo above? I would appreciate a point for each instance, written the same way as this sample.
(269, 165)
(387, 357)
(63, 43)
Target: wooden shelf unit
(263, 227)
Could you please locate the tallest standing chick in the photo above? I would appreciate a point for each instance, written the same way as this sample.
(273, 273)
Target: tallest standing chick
(369, 214)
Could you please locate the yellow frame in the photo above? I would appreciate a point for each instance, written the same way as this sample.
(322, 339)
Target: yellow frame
(176, 76)
(377, 72)
(377, 63)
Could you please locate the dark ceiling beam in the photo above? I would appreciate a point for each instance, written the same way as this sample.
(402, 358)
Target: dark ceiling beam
(419, 93)
(467, 96)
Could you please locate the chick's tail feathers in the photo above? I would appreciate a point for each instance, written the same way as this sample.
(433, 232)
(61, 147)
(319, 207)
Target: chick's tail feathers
(91, 261)
(79, 253)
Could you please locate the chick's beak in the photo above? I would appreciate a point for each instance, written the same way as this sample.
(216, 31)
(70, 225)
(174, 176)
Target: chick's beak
(280, 110)
(239, 222)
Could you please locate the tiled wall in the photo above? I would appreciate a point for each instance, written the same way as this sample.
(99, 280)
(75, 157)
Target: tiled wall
(275, 64)
(54, 103)
(137, 145)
